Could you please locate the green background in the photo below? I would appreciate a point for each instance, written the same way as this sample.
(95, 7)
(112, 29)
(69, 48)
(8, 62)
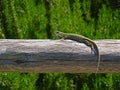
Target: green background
(38, 19)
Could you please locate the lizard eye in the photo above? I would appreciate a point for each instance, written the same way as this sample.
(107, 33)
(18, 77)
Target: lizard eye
(57, 32)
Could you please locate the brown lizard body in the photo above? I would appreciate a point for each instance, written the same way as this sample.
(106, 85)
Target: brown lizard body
(81, 39)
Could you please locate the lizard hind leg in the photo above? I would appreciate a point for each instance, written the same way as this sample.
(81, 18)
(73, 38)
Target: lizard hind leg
(93, 51)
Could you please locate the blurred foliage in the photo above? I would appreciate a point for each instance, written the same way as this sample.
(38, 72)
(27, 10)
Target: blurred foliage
(39, 19)
(32, 19)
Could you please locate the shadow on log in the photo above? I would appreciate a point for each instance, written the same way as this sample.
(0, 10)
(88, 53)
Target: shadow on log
(43, 56)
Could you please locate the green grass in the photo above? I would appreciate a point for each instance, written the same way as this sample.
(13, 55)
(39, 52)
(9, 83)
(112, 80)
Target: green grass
(18, 81)
(38, 19)
(57, 81)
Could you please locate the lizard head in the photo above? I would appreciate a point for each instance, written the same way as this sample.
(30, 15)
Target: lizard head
(60, 34)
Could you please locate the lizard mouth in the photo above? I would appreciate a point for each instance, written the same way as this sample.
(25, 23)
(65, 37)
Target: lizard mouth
(58, 33)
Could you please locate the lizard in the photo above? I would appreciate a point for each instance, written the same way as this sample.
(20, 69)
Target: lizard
(81, 39)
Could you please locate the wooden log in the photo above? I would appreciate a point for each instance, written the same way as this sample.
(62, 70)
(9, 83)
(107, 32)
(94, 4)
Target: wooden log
(43, 56)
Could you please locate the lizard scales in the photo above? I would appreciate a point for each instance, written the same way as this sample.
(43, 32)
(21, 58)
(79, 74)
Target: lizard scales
(81, 39)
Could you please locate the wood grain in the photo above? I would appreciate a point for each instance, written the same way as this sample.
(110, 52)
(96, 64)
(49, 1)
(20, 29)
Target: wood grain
(43, 56)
